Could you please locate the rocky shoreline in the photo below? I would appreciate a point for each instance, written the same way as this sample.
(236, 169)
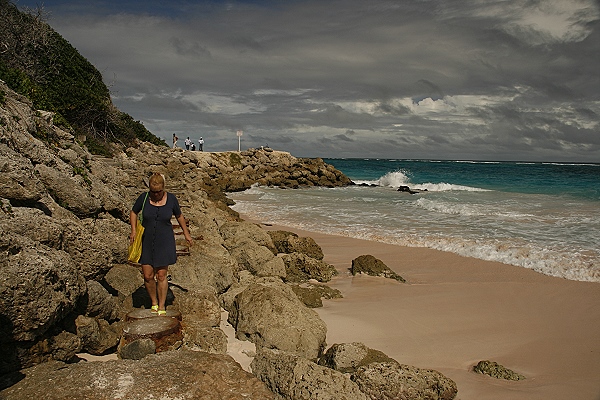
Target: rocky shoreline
(66, 287)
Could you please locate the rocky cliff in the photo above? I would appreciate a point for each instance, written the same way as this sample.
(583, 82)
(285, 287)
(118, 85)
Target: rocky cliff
(65, 285)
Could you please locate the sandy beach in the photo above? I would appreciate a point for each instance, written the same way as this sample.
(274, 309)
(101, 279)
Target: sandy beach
(455, 311)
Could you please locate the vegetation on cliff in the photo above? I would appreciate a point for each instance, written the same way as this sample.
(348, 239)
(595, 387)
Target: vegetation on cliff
(38, 63)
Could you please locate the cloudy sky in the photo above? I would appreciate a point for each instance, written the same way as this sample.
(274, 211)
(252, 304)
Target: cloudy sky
(434, 79)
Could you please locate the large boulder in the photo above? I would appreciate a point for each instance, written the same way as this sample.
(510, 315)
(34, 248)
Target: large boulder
(199, 306)
(300, 268)
(20, 185)
(368, 264)
(72, 192)
(296, 378)
(348, 357)
(39, 287)
(210, 265)
(258, 259)
(174, 375)
(236, 233)
(391, 381)
(269, 314)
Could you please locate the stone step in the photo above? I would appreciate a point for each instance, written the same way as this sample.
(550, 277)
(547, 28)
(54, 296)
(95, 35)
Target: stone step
(165, 332)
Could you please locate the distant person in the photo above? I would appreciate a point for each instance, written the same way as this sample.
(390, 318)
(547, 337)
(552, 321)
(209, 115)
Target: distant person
(201, 144)
(193, 147)
(158, 242)
(187, 143)
(175, 139)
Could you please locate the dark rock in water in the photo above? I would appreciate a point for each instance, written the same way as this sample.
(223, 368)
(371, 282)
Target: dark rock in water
(174, 375)
(391, 381)
(496, 370)
(407, 189)
(348, 357)
(296, 378)
(373, 266)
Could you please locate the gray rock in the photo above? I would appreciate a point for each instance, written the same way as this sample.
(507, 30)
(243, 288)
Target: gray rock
(71, 192)
(199, 337)
(258, 259)
(137, 349)
(269, 314)
(125, 279)
(348, 357)
(206, 265)
(300, 268)
(370, 265)
(19, 183)
(495, 370)
(100, 303)
(39, 287)
(96, 335)
(175, 375)
(199, 306)
(296, 378)
(236, 233)
(391, 381)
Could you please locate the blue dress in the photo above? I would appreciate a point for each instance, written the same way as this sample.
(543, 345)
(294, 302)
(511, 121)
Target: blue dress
(158, 241)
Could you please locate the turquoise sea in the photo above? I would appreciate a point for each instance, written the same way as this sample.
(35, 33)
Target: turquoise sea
(542, 216)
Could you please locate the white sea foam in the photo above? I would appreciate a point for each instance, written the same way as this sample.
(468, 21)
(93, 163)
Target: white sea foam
(394, 179)
(446, 187)
(543, 233)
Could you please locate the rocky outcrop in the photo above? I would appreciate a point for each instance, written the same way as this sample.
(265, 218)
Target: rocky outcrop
(296, 378)
(367, 264)
(495, 370)
(66, 286)
(180, 374)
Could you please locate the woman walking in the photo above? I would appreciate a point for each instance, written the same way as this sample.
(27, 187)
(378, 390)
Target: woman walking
(158, 241)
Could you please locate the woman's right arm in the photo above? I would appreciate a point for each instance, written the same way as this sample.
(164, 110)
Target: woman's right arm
(133, 223)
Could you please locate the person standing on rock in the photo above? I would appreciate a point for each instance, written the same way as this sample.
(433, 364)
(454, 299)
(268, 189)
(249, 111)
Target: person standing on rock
(175, 138)
(200, 144)
(187, 143)
(158, 241)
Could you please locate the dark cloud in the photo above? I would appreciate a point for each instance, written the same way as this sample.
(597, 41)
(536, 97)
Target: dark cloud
(385, 78)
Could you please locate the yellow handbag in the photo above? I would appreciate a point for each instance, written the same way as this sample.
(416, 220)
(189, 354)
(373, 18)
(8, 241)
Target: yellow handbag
(135, 248)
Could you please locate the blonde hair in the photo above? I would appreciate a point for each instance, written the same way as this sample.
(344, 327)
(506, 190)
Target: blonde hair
(157, 181)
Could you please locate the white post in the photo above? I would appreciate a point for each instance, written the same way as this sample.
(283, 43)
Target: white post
(239, 135)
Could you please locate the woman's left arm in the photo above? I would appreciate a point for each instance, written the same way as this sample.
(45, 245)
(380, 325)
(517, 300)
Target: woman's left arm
(184, 228)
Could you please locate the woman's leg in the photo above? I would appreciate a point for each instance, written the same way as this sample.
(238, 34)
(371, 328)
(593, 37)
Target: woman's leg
(150, 283)
(163, 286)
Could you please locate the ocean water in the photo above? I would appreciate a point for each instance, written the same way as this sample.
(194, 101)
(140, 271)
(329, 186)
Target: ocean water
(542, 216)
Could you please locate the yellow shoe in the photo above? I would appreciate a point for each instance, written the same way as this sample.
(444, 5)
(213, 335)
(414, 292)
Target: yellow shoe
(154, 309)
(162, 312)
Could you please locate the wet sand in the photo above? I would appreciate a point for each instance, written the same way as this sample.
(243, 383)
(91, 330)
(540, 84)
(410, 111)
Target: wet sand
(455, 311)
